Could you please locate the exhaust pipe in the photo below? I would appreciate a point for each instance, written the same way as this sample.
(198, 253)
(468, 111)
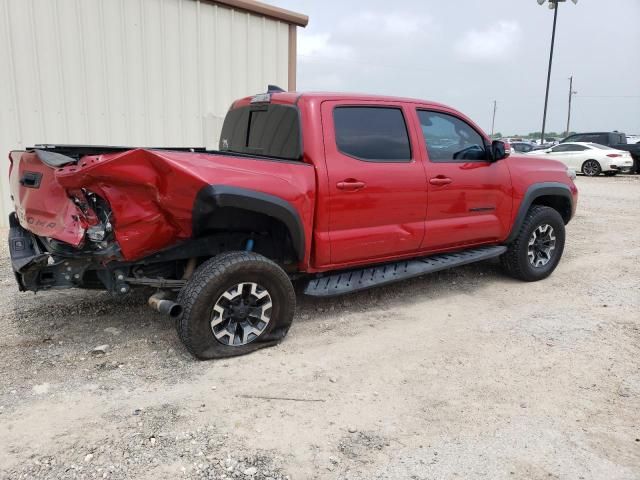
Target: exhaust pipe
(160, 304)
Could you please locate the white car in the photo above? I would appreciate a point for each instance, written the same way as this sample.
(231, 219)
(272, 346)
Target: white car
(589, 158)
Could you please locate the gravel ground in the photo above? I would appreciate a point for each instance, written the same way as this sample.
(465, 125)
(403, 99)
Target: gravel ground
(463, 374)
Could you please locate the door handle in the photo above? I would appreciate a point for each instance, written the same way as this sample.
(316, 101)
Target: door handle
(440, 180)
(350, 185)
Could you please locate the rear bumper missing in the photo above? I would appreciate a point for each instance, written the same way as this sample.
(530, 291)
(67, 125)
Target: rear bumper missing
(26, 256)
(36, 269)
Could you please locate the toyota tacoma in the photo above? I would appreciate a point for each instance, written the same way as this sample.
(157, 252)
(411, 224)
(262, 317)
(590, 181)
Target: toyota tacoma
(339, 192)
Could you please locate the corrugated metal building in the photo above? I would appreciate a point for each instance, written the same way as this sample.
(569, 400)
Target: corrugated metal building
(134, 72)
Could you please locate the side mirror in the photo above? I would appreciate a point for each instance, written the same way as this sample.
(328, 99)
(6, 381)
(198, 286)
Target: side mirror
(498, 150)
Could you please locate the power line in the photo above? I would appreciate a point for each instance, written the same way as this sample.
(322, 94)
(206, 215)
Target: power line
(608, 96)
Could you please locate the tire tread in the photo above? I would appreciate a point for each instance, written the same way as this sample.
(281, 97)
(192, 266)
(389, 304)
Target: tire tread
(510, 259)
(204, 274)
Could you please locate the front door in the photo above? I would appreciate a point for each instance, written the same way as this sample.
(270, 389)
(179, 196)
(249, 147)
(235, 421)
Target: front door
(469, 196)
(377, 186)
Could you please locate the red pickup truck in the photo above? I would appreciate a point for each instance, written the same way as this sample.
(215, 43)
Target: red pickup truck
(340, 191)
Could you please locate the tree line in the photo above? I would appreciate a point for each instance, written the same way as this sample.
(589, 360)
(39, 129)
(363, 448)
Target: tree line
(534, 135)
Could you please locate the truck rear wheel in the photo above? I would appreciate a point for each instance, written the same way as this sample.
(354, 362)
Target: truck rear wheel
(537, 249)
(234, 304)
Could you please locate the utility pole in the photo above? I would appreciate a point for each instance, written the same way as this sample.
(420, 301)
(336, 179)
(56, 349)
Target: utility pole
(572, 92)
(493, 119)
(546, 95)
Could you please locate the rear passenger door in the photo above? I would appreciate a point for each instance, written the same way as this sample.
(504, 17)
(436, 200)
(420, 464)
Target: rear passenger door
(377, 186)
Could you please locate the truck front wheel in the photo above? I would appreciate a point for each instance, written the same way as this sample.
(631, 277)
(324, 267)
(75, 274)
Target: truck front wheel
(537, 249)
(234, 304)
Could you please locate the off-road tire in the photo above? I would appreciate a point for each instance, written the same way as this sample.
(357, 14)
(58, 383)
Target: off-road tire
(516, 261)
(591, 168)
(210, 281)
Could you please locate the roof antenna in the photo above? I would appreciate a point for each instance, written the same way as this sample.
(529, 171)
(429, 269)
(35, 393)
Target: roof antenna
(274, 89)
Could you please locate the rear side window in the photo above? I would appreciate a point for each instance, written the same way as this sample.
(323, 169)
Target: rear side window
(522, 147)
(619, 138)
(600, 147)
(576, 148)
(589, 138)
(265, 130)
(373, 134)
(561, 148)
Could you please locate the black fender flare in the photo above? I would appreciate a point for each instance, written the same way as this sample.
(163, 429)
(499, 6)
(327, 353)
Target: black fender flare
(213, 197)
(535, 191)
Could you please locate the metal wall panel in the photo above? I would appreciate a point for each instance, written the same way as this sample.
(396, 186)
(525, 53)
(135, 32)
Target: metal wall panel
(128, 72)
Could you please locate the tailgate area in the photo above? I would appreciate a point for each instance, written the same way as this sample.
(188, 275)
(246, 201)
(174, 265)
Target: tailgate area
(42, 205)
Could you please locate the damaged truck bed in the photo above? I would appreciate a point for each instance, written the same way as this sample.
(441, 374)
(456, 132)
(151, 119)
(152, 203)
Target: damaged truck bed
(116, 217)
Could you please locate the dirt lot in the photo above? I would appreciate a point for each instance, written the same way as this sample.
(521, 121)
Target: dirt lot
(464, 374)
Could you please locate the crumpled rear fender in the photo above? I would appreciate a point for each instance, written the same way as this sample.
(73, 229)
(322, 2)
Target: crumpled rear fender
(152, 193)
(151, 201)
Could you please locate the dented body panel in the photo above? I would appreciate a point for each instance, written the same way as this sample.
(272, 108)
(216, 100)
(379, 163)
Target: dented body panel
(151, 194)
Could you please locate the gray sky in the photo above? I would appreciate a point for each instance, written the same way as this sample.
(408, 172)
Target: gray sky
(466, 53)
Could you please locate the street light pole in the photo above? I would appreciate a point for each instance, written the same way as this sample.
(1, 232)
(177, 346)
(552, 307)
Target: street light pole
(554, 5)
(571, 94)
(546, 95)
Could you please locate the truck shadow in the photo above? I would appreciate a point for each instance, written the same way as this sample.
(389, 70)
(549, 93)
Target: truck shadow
(79, 320)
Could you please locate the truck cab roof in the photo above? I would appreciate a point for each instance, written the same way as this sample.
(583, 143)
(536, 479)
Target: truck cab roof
(295, 97)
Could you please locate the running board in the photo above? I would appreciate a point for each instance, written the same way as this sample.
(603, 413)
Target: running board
(354, 280)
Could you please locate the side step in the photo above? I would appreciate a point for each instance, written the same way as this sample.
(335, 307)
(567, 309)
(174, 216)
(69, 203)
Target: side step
(353, 280)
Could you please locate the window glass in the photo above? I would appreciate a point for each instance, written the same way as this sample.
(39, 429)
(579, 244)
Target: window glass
(561, 148)
(576, 148)
(601, 147)
(376, 134)
(522, 147)
(526, 148)
(450, 139)
(266, 130)
(591, 137)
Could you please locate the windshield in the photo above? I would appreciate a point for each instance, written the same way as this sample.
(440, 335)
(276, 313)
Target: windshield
(266, 130)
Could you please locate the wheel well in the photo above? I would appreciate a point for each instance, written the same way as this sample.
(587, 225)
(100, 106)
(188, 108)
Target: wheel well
(223, 210)
(271, 237)
(559, 203)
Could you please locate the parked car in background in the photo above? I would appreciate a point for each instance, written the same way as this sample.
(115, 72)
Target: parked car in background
(522, 147)
(613, 139)
(591, 159)
(631, 139)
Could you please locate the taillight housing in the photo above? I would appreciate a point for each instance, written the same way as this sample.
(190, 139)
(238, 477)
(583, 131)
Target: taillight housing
(613, 155)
